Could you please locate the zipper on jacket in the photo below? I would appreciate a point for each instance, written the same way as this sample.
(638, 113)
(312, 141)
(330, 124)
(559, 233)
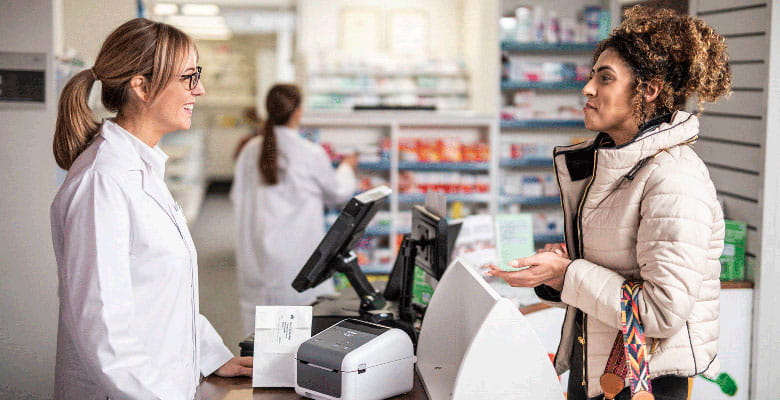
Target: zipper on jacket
(583, 342)
(563, 209)
(581, 254)
(654, 347)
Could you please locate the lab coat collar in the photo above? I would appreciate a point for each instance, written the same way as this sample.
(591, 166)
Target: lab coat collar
(153, 157)
(286, 131)
(151, 163)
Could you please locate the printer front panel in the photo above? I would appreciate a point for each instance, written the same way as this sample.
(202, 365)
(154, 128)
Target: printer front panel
(318, 379)
(385, 381)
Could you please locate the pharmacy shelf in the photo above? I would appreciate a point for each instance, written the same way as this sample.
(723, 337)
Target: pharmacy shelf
(511, 45)
(548, 238)
(184, 172)
(542, 123)
(374, 166)
(405, 229)
(378, 230)
(444, 166)
(529, 201)
(397, 125)
(462, 197)
(369, 166)
(376, 269)
(561, 85)
(392, 74)
(386, 92)
(373, 230)
(424, 166)
(526, 162)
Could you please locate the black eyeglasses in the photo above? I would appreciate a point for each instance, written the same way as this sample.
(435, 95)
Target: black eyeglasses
(193, 77)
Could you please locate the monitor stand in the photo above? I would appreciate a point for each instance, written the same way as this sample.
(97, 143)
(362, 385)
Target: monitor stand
(370, 298)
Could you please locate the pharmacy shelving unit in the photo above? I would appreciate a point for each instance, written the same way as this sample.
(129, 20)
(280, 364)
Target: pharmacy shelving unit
(340, 89)
(369, 128)
(184, 169)
(539, 129)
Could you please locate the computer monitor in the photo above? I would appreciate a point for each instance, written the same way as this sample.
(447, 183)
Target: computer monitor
(431, 235)
(335, 251)
(428, 246)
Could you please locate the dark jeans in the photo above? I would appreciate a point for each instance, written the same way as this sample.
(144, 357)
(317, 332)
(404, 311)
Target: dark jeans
(664, 388)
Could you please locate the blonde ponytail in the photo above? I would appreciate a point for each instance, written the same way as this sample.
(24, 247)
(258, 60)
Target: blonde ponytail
(138, 47)
(75, 127)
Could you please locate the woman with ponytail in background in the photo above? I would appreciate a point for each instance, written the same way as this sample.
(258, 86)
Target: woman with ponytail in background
(281, 186)
(129, 321)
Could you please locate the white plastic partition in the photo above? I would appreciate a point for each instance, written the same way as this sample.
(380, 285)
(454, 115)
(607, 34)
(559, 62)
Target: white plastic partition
(475, 344)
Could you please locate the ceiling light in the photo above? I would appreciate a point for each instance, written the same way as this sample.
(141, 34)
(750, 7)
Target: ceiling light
(196, 21)
(201, 27)
(200, 9)
(165, 9)
(212, 33)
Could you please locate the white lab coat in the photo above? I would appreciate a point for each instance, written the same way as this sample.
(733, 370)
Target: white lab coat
(279, 226)
(129, 325)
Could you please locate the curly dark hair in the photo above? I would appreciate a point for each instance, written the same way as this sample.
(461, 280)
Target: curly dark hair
(682, 52)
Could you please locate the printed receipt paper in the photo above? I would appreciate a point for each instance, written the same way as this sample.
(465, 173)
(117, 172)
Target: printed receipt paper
(279, 330)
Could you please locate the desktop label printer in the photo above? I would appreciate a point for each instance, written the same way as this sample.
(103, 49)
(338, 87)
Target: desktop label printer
(355, 360)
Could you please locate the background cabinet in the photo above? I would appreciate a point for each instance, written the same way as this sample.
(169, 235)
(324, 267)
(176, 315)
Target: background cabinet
(546, 55)
(184, 169)
(412, 153)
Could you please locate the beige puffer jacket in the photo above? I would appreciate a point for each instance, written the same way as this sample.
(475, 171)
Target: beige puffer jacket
(657, 221)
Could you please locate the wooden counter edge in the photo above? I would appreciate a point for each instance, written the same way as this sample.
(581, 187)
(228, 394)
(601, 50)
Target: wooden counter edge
(736, 285)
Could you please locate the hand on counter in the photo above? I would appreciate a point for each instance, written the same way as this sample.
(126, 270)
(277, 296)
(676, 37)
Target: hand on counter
(236, 366)
(547, 266)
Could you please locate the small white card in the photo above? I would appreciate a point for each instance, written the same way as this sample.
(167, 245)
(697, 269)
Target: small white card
(279, 330)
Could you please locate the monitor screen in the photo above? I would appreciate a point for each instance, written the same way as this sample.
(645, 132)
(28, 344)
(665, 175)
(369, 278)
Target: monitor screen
(434, 239)
(430, 246)
(341, 238)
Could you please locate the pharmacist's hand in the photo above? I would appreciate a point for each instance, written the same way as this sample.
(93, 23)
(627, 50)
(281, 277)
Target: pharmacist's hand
(236, 366)
(545, 268)
(351, 160)
(557, 248)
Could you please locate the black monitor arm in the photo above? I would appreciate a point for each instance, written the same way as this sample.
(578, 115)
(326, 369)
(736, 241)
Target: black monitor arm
(370, 298)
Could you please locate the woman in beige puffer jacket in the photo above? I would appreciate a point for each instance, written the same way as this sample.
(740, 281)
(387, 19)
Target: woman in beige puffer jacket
(639, 205)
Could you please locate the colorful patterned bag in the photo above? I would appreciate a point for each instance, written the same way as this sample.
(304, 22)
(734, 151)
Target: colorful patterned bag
(629, 352)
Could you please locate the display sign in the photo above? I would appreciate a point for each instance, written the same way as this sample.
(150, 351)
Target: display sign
(22, 79)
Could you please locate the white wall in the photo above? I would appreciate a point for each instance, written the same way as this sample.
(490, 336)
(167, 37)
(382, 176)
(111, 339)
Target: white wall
(86, 23)
(481, 51)
(319, 22)
(458, 29)
(766, 326)
(28, 288)
(739, 145)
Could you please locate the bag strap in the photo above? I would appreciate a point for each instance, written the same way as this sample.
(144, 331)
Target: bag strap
(628, 355)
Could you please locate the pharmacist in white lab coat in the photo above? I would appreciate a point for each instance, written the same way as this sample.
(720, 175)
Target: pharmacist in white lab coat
(281, 185)
(129, 323)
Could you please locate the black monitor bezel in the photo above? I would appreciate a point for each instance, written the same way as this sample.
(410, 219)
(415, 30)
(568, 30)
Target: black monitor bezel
(340, 240)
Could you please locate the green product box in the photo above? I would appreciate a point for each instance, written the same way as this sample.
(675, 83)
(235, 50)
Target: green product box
(732, 261)
(421, 289)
